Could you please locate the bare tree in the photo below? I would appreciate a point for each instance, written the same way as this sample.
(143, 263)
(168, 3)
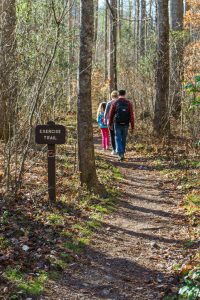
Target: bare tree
(113, 44)
(161, 116)
(106, 46)
(70, 56)
(137, 31)
(86, 157)
(176, 74)
(142, 28)
(130, 18)
(8, 66)
(96, 16)
(120, 15)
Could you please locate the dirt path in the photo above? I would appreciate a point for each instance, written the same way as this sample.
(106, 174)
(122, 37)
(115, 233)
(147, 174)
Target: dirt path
(132, 255)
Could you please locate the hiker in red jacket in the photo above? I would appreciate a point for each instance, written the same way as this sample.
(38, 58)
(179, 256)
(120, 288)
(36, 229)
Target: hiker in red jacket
(121, 114)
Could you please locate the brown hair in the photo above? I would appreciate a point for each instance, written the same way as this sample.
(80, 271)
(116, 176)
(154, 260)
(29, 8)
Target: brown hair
(101, 108)
(122, 92)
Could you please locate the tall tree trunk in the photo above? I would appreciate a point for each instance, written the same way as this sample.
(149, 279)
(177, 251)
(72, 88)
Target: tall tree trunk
(120, 15)
(134, 18)
(135, 29)
(150, 26)
(137, 38)
(8, 67)
(106, 45)
(113, 45)
(161, 116)
(176, 74)
(143, 27)
(156, 14)
(86, 157)
(96, 21)
(130, 22)
(71, 104)
(96, 17)
(119, 27)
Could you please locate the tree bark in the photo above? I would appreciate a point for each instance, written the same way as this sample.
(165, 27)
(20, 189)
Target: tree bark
(161, 115)
(176, 74)
(120, 15)
(106, 46)
(137, 38)
(113, 46)
(143, 28)
(96, 21)
(130, 23)
(71, 104)
(86, 157)
(8, 67)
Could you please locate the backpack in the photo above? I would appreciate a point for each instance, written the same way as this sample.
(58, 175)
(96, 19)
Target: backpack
(103, 120)
(122, 115)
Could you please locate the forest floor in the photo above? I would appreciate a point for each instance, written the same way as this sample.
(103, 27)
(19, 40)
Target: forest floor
(131, 246)
(134, 253)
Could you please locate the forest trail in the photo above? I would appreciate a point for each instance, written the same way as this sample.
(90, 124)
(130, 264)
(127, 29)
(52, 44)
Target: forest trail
(132, 254)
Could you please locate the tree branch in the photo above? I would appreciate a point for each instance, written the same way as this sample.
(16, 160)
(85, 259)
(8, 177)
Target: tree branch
(110, 7)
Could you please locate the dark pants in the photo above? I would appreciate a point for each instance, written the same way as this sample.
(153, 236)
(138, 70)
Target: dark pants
(112, 138)
(121, 132)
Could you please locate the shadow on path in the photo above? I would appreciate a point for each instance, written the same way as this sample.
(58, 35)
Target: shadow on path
(113, 278)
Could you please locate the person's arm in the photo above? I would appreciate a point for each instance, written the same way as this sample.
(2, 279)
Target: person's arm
(132, 119)
(111, 115)
(106, 113)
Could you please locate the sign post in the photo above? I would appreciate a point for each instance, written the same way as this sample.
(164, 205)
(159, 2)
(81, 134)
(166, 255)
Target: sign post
(50, 134)
(52, 172)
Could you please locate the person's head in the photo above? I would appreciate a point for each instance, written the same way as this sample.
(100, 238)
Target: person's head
(114, 94)
(101, 108)
(122, 92)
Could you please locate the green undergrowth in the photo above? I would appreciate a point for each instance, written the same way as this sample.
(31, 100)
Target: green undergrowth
(192, 204)
(188, 182)
(190, 289)
(183, 172)
(46, 239)
(25, 285)
(189, 286)
(4, 243)
(185, 176)
(107, 172)
(38, 242)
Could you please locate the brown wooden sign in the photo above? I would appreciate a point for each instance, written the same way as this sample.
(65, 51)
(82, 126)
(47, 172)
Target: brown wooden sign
(50, 134)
